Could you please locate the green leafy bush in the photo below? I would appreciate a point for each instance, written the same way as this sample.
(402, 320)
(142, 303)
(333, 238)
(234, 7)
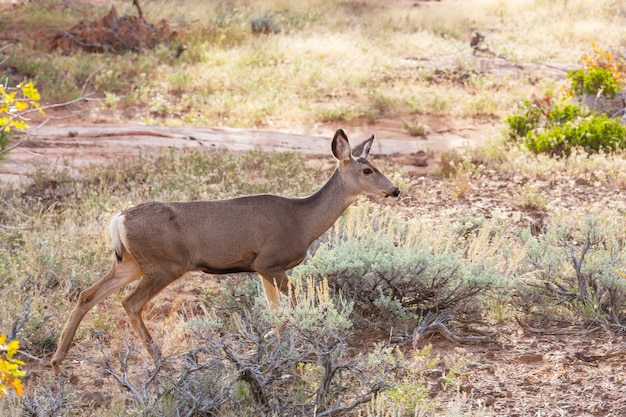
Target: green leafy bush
(539, 114)
(592, 133)
(560, 114)
(594, 81)
(557, 129)
(525, 122)
(545, 125)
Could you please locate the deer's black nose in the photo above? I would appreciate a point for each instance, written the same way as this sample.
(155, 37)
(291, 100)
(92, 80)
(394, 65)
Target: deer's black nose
(394, 193)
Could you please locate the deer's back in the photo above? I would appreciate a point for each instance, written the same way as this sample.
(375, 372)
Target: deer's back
(216, 236)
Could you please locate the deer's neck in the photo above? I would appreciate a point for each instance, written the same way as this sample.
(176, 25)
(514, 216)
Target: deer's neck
(322, 209)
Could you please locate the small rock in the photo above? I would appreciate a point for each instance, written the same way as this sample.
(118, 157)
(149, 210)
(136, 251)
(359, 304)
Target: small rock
(466, 388)
(488, 400)
(434, 373)
(98, 334)
(531, 358)
(421, 159)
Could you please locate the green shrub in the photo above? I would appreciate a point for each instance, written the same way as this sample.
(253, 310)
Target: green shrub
(560, 114)
(557, 129)
(524, 123)
(390, 283)
(594, 81)
(593, 134)
(539, 114)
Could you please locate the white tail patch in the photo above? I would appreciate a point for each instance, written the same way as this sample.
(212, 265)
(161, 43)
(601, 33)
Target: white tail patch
(118, 235)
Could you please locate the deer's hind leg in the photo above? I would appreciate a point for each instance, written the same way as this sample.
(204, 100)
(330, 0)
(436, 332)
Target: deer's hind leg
(121, 274)
(155, 279)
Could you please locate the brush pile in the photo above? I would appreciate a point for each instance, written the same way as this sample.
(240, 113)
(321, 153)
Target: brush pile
(111, 33)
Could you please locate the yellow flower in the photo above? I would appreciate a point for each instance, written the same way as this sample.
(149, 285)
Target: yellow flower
(9, 367)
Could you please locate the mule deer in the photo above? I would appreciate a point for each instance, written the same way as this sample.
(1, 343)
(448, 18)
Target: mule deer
(267, 234)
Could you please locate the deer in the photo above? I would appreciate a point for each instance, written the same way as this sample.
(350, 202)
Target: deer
(158, 242)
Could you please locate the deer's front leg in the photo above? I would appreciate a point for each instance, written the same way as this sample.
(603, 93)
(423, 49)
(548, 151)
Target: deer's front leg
(275, 284)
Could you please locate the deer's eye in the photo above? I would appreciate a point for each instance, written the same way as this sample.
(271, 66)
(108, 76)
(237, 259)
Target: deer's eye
(368, 171)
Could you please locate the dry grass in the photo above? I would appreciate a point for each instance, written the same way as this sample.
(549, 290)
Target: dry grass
(331, 61)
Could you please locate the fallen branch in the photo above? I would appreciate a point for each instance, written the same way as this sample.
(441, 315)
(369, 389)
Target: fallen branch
(596, 358)
(429, 326)
(5, 227)
(555, 332)
(442, 330)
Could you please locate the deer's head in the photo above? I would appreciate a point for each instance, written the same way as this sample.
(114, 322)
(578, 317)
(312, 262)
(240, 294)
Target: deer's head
(360, 175)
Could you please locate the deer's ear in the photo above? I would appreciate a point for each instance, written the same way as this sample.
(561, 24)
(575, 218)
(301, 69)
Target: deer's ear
(341, 146)
(363, 150)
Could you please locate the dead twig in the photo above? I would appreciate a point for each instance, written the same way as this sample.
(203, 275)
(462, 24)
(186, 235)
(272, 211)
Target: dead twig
(441, 329)
(558, 331)
(431, 325)
(139, 11)
(5, 227)
(20, 320)
(596, 358)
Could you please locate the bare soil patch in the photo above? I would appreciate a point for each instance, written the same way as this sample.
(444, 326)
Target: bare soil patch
(551, 371)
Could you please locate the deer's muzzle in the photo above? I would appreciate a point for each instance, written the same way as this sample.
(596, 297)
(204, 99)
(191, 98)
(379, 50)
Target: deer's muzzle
(394, 193)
